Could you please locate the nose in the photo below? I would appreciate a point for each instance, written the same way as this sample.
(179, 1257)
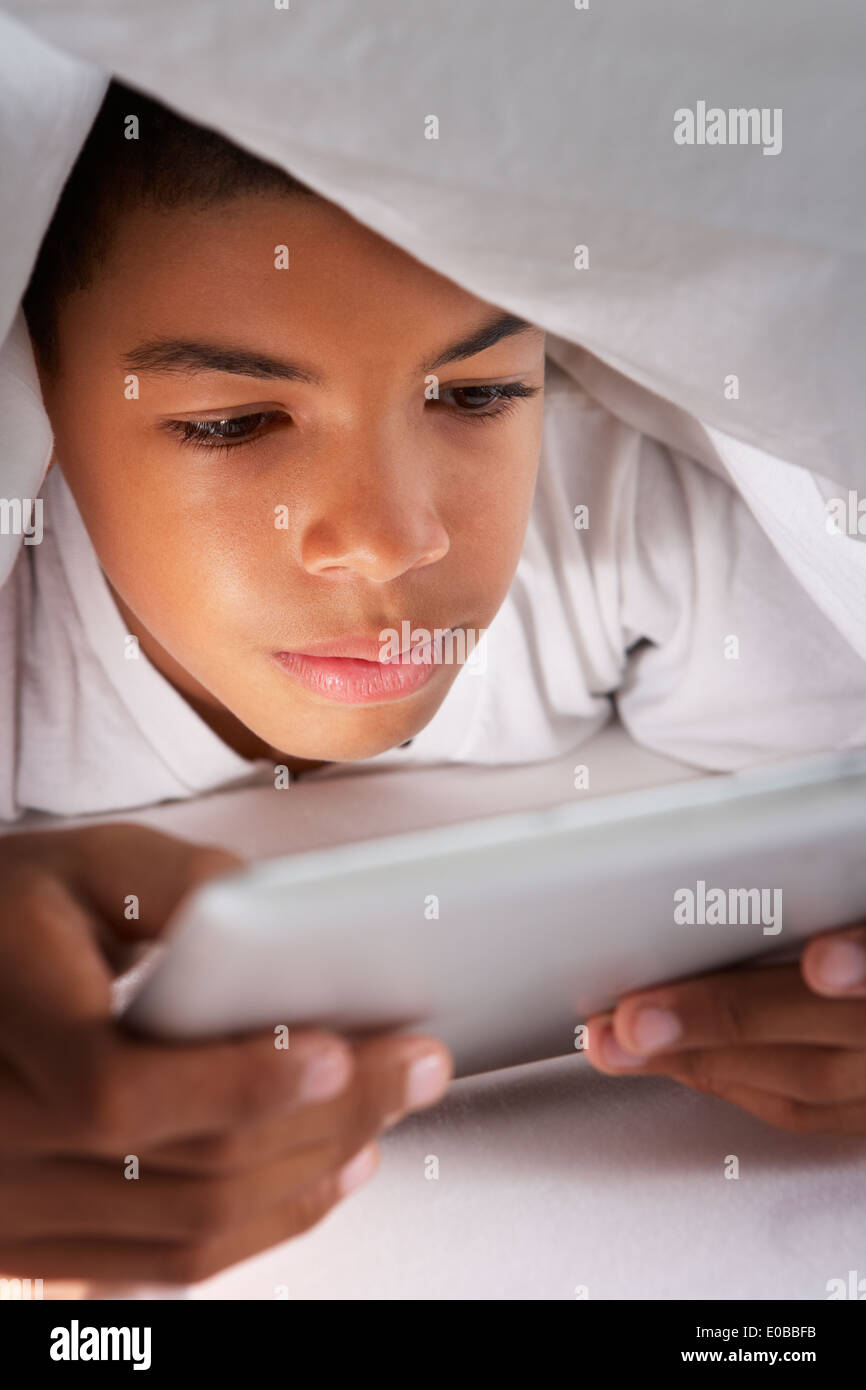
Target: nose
(376, 520)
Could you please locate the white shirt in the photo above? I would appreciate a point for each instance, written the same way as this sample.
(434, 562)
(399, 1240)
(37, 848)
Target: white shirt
(647, 607)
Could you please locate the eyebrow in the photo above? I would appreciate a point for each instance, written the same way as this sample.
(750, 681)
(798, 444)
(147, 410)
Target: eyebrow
(502, 326)
(185, 355)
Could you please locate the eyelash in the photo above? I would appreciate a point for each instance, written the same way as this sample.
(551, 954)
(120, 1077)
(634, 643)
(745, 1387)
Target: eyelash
(195, 432)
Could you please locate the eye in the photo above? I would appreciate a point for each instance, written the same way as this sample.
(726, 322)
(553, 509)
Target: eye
(227, 433)
(484, 402)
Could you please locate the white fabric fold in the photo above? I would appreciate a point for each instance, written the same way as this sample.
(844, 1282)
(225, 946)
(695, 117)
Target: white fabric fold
(556, 130)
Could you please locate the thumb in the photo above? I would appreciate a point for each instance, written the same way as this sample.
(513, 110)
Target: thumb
(835, 964)
(133, 877)
(72, 890)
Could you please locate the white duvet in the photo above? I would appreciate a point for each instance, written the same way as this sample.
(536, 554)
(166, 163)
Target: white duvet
(710, 295)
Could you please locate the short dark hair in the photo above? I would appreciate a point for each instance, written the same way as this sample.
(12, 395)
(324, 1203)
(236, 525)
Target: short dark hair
(174, 162)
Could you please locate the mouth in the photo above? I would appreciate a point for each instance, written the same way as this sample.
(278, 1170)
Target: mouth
(353, 671)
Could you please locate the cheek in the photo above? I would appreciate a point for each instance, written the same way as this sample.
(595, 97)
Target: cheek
(196, 567)
(495, 490)
(202, 581)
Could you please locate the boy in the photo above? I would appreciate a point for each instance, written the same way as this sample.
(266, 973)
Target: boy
(277, 438)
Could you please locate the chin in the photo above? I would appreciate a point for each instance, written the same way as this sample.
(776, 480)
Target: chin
(348, 750)
(334, 745)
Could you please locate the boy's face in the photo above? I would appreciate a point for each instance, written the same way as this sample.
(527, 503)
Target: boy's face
(351, 502)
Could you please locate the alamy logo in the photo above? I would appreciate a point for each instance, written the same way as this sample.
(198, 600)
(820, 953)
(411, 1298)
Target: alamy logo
(22, 516)
(19, 1290)
(854, 1287)
(443, 646)
(846, 517)
(75, 1343)
(737, 126)
(732, 907)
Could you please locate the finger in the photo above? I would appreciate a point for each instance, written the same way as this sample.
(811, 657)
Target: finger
(62, 1198)
(834, 965)
(153, 1262)
(818, 1075)
(104, 864)
(53, 974)
(114, 861)
(143, 1095)
(735, 1007)
(400, 1074)
(391, 1077)
(136, 1095)
(786, 1112)
(209, 1257)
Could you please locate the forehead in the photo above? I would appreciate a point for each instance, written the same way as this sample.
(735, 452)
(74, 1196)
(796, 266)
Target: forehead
(291, 263)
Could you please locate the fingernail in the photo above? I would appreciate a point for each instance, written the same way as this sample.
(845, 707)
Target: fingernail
(654, 1029)
(427, 1079)
(842, 964)
(616, 1056)
(357, 1170)
(326, 1074)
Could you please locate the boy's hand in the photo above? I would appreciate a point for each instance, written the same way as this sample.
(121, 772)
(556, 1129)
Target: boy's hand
(239, 1145)
(787, 1043)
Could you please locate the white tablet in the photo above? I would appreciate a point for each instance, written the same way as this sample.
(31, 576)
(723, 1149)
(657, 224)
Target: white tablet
(501, 936)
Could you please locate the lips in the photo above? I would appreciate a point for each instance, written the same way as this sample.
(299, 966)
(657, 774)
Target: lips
(349, 670)
(357, 647)
(363, 647)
